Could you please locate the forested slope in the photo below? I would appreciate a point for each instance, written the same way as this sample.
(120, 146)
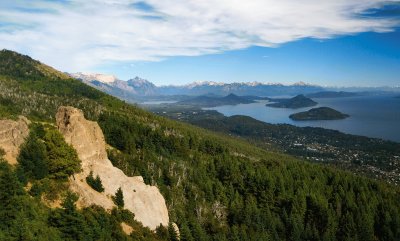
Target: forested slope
(216, 187)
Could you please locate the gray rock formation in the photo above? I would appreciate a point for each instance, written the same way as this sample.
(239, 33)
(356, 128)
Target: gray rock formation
(145, 201)
(12, 135)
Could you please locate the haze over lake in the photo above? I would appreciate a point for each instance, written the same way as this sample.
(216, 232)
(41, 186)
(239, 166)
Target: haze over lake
(372, 116)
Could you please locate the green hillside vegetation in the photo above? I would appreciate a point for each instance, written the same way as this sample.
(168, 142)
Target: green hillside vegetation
(321, 113)
(216, 187)
(46, 161)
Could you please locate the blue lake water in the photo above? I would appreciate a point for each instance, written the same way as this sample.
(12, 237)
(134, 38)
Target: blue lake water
(372, 116)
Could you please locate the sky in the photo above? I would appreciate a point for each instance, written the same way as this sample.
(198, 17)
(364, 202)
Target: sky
(330, 42)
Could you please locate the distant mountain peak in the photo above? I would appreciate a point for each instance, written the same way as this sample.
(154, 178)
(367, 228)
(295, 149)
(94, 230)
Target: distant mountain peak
(301, 83)
(254, 83)
(204, 83)
(90, 77)
(137, 81)
(232, 96)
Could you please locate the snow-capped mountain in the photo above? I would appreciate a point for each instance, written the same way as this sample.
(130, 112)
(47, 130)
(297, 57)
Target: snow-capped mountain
(128, 90)
(138, 88)
(90, 77)
(203, 83)
(142, 86)
(243, 88)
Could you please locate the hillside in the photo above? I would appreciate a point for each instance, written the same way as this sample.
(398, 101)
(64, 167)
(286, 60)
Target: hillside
(375, 158)
(216, 187)
(321, 113)
(296, 102)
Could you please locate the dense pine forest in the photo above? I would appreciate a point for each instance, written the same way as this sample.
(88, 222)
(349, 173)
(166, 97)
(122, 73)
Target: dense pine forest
(216, 187)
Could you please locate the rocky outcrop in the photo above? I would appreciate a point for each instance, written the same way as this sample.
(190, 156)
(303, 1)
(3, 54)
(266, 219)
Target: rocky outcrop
(145, 201)
(12, 135)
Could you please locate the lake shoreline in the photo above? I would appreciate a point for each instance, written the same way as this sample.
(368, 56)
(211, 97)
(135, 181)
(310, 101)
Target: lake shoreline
(370, 116)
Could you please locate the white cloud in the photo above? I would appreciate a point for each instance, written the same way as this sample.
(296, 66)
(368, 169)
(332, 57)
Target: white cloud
(80, 34)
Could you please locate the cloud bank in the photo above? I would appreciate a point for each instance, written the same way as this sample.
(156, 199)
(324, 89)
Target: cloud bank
(76, 35)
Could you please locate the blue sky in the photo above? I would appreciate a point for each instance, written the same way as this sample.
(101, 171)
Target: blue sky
(332, 42)
(367, 59)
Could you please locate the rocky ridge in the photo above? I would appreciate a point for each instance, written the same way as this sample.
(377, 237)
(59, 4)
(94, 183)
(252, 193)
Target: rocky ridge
(12, 135)
(145, 201)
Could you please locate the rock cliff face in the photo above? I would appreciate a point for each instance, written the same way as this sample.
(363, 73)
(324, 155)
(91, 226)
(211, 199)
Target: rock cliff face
(145, 201)
(12, 135)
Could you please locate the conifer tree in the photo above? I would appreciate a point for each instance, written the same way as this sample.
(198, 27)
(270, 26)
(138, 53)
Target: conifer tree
(63, 160)
(173, 235)
(119, 198)
(95, 183)
(33, 158)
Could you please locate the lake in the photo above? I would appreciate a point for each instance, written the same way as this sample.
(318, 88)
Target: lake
(372, 116)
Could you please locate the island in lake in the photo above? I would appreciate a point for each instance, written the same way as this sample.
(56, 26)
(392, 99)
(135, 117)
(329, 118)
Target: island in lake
(296, 102)
(321, 113)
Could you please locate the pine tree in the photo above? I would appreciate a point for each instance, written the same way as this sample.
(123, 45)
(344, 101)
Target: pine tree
(119, 198)
(173, 235)
(185, 234)
(10, 191)
(33, 158)
(68, 220)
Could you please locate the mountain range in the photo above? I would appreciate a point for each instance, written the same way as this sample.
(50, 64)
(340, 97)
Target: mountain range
(129, 90)
(138, 89)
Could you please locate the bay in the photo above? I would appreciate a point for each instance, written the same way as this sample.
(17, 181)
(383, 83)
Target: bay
(372, 116)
